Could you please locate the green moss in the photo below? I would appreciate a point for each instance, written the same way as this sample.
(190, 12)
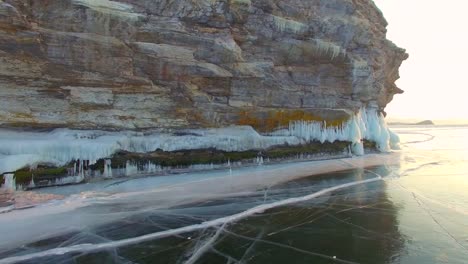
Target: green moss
(185, 158)
(239, 156)
(98, 166)
(310, 148)
(182, 158)
(370, 144)
(24, 176)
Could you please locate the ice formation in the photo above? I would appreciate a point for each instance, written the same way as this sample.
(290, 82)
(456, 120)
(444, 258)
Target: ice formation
(283, 24)
(368, 124)
(152, 193)
(109, 7)
(130, 168)
(68, 180)
(107, 168)
(325, 47)
(217, 222)
(10, 183)
(55, 182)
(62, 146)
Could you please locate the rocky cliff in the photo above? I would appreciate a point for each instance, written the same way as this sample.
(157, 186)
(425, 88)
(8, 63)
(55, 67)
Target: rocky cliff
(138, 64)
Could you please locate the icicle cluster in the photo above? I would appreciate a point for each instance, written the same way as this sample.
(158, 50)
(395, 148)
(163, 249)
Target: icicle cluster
(62, 146)
(328, 48)
(283, 24)
(368, 124)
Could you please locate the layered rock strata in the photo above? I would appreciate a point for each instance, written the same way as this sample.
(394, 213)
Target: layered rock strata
(100, 64)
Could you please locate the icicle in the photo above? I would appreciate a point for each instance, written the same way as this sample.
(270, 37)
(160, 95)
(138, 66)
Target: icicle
(358, 148)
(283, 24)
(329, 48)
(10, 182)
(107, 168)
(259, 160)
(150, 167)
(80, 168)
(32, 184)
(130, 169)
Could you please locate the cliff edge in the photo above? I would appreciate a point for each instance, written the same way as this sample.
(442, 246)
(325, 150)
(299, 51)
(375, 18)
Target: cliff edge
(113, 65)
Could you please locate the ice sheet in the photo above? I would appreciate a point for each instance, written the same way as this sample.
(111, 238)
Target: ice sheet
(140, 195)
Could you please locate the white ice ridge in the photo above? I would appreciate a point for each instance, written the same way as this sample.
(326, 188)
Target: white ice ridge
(219, 222)
(62, 146)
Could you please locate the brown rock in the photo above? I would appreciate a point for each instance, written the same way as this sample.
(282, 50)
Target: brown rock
(176, 64)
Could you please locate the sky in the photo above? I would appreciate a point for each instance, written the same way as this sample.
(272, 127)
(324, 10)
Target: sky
(435, 77)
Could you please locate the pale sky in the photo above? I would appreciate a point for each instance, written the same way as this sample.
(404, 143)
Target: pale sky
(435, 77)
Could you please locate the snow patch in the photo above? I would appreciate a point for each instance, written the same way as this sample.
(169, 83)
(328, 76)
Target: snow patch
(109, 7)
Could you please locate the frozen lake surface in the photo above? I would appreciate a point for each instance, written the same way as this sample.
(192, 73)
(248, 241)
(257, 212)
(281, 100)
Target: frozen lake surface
(410, 206)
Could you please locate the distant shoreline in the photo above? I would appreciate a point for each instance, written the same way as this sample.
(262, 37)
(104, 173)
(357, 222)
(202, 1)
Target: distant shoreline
(393, 125)
(422, 123)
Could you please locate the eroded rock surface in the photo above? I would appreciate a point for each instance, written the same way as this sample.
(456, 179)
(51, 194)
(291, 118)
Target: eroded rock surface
(100, 64)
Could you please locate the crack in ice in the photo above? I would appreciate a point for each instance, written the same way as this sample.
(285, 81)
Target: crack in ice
(206, 246)
(334, 258)
(212, 223)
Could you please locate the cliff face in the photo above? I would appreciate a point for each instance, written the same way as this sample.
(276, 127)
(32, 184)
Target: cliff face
(100, 64)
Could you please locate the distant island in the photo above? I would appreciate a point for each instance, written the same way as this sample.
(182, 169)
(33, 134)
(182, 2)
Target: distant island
(422, 123)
